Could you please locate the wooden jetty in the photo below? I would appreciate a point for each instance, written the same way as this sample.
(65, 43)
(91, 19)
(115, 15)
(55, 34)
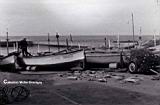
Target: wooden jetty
(12, 43)
(60, 45)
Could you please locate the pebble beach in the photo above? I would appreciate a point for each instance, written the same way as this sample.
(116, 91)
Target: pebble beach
(86, 88)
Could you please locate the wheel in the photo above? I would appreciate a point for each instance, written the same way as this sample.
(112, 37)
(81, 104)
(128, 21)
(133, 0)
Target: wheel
(132, 67)
(3, 98)
(19, 93)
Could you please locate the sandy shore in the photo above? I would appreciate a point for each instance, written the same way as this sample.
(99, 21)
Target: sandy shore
(87, 88)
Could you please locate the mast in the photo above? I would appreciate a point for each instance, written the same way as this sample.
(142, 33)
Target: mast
(140, 31)
(7, 42)
(48, 42)
(133, 27)
(140, 36)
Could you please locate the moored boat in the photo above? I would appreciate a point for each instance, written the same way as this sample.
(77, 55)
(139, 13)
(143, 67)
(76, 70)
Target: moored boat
(59, 61)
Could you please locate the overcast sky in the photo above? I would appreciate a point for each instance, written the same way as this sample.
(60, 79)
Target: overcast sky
(79, 17)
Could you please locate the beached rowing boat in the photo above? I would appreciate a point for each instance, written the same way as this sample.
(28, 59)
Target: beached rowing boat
(104, 59)
(60, 61)
(7, 63)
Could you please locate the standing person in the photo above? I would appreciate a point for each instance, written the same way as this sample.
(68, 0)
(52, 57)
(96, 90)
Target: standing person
(23, 46)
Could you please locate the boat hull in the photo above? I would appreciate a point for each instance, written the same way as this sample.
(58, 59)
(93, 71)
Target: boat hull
(103, 60)
(54, 67)
(7, 63)
(54, 62)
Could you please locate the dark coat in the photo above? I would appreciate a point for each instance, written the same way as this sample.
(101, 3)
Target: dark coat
(23, 44)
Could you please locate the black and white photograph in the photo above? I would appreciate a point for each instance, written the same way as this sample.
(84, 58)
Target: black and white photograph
(79, 52)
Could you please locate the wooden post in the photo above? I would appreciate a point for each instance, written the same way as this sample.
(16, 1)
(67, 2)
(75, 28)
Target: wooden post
(38, 48)
(7, 42)
(109, 44)
(154, 39)
(57, 36)
(67, 44)
(118, 43)
(79, 46)
(0, 48)
(121, 59)
(84, 61)
(48, 42)
(105, 43)
(71, 39)
(17, 46)
(14, 46)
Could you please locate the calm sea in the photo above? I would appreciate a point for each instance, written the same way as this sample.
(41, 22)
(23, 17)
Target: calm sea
(94, 41)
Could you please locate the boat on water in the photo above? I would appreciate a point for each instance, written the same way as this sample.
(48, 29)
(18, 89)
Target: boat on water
(51, 62)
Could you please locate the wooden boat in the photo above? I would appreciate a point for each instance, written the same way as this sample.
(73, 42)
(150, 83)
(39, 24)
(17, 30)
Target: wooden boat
(104, 59)
(7, 63)
(60, 61)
